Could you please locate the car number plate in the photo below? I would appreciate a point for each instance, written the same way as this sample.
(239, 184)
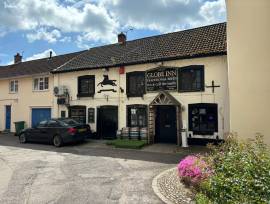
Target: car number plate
(82, 130)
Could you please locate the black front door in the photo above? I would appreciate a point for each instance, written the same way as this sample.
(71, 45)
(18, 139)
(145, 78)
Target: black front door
(166, 130)
(107, 121)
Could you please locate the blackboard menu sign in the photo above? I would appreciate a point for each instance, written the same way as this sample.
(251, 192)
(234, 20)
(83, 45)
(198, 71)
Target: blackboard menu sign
(163, 78)
(91, 115)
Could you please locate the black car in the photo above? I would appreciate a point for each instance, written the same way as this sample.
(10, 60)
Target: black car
(56, 131)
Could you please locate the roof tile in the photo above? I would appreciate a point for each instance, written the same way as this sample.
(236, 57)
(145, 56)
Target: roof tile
(38, 66)
(197, 42)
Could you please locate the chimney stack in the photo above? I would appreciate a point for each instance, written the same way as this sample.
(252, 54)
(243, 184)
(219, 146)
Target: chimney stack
(50, 54)
(17, 58)
(122, 38)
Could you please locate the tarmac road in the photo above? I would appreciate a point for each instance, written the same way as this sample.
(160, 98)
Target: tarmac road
(37, 174)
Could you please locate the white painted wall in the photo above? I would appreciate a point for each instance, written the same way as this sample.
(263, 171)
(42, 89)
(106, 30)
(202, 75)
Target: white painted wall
(248, 31)
(215, 69)
(23, 101)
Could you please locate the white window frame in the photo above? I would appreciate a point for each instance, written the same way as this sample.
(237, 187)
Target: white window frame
(39, 83)
(13, 86)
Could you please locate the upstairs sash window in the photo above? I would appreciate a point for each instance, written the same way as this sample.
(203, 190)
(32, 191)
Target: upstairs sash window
(86, 86)
(135, 84)
(41, 83)
(13, 86)
(191, 78)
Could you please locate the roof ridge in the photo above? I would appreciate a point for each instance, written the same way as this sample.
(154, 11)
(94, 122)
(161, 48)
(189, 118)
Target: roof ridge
(160, 35)
(33, 60)
(186, 30)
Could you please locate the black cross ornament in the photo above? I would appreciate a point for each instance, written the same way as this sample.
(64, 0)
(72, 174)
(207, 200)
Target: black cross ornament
(213, 86)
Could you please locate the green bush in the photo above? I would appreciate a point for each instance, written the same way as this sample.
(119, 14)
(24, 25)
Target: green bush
(241, 172)
(202, 199)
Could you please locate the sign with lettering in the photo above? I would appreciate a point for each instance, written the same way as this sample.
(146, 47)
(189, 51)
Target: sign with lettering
(164, 78)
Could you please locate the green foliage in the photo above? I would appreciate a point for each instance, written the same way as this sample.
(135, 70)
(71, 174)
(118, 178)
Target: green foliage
(241, 172)
(202, 199)
(130, 144)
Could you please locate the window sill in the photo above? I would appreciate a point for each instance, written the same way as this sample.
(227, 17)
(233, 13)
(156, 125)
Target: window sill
(203, 132)
(13, 92)
(85, 95)
(190, 91)
(46, 90)
(134, 96)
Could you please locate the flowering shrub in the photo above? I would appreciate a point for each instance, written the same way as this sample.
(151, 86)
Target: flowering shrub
(241, 173)
(193, 169)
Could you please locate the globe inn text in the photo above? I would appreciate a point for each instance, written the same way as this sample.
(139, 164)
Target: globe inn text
(162, 84)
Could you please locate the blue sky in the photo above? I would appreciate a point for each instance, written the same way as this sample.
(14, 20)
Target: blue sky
(35, 27)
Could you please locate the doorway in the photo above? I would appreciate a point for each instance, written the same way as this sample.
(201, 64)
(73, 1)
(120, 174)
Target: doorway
(8, 117)
(166, 128)
(107, 122)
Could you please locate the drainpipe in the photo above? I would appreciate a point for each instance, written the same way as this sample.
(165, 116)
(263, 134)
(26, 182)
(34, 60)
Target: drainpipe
(184, 134)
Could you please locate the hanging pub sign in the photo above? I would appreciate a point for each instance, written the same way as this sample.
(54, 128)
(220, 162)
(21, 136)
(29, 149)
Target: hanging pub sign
(163, 78)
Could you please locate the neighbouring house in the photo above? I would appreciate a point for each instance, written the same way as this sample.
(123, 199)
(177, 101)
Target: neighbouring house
(164, 83)
(249, 70)
(27, 90)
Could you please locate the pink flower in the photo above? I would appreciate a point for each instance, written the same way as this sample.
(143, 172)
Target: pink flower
(193, 169)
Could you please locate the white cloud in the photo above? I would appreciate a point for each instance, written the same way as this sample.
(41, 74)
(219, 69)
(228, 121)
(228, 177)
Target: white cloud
(94, 21)
(43, 34)
(213, 11)
(30, 15)
(44, 54)
(166, 15)
(65, 39)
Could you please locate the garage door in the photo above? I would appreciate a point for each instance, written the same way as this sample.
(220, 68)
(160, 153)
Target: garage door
(39, 114)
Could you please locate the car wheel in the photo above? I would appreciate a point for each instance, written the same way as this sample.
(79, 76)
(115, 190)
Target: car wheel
(22, 138)
(57, 141)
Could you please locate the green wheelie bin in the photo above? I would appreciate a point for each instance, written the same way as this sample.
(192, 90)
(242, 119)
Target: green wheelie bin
(19, 126)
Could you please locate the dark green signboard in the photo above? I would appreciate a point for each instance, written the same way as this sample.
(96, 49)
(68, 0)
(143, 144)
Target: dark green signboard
(164, 78)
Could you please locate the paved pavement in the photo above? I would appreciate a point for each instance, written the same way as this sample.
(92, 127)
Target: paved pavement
(38, 173)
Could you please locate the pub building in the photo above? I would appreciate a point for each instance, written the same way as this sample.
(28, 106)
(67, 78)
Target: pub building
(163, 85)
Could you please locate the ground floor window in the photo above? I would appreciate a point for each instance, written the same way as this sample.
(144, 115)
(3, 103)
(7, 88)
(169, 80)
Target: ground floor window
(91, 115)
(63, 114)
(137, 116)
(203, 118)
(78, 113)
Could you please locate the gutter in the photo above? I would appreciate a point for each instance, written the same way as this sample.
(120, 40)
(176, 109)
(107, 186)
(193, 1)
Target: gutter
(25, 76)
(11, 99)
(141, 62)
